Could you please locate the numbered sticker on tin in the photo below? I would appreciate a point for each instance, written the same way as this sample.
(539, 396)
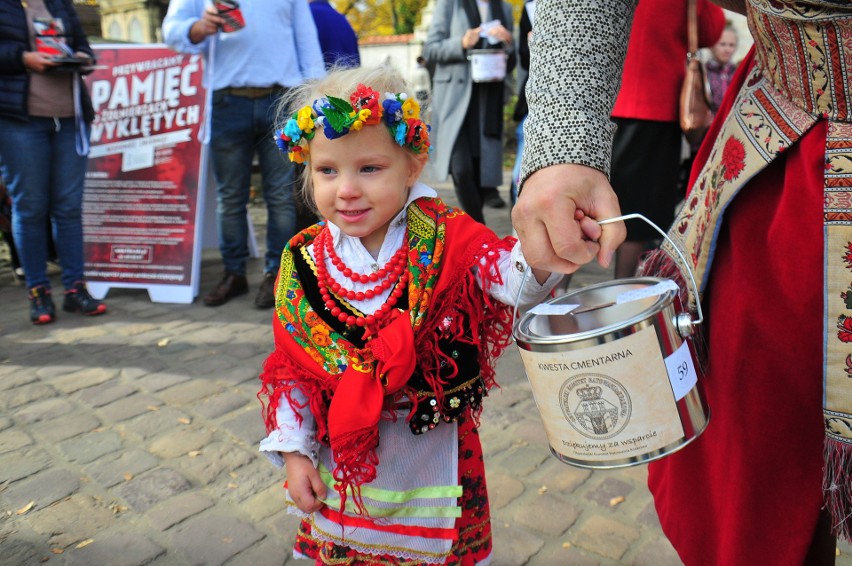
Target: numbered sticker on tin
(681, 370)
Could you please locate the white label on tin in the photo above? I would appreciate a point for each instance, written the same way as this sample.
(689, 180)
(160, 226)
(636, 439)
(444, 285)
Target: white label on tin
(551, 309)
(645, 292)
(608, 402)
(681, 371)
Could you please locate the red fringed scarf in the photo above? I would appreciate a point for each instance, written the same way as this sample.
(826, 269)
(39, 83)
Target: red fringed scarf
(347, 396)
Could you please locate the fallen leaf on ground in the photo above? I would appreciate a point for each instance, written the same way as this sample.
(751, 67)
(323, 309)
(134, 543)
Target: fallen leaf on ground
(184, 420)
(25, 508)
(57, 550)
(152, 408)
(616, 500)
(193, 453)
(566, 545)
(164, 342)
(128, 476)
(86, 542)
(542, 490)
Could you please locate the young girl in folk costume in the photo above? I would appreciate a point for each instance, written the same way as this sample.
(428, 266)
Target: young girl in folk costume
(390, 315)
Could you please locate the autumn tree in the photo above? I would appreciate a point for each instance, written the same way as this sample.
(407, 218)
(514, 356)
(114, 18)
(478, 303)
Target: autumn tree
(390, 17)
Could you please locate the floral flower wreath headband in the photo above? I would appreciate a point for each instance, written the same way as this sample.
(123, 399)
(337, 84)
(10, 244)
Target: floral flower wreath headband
(336, 117)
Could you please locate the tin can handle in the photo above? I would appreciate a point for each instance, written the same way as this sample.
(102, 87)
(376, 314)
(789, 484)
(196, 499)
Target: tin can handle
(683, 321)
(683, 261)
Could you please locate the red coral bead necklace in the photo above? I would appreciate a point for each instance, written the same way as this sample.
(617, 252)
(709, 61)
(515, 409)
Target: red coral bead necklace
(394, 270)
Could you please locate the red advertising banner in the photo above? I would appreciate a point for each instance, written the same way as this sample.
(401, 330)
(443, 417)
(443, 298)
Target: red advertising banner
(142, 207)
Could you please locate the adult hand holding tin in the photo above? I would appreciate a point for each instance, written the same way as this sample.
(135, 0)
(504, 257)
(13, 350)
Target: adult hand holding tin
(555, 218)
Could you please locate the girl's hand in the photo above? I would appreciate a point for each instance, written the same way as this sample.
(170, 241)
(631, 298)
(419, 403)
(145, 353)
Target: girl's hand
(303, 482)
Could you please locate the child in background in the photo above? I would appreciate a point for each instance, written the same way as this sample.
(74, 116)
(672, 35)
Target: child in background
(390, 315)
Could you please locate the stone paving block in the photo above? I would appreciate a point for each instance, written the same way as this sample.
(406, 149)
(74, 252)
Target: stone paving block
(265, 503)
(29, 393)
(532, 431)
(247, 426)
(560, 477)
(104, 394)
(648, 516)
(89, 447)
(284, 527)
(209, 367)
(152, 487)
(20, 550)
(21, 376)
(55, 370)
(169, 513)
(89, 377)
(547, 514)
(521, 460)
(494, 440)
(268, 552)
(180, 441)
(189, 392)
(502, 488)
(212, 539)
(609, 489)
(22, 464)
(605, 536)
(243, 373)
(111, 471)
(513, 545)
(5, 422)
(43, 410)
(245, 350)
(557, 554)
(215, 459)
(129, 407)
(221, 404)
(247, 481)
(13, 439)
(79, 333)
(66, 427)
(61, 522)
(42, 488)
(153, 422)
(162, 380)
(657, 552)
(117, 548)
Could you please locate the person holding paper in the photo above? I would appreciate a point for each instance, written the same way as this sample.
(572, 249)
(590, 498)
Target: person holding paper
(248, 68)
(45, 111)
(467, 116)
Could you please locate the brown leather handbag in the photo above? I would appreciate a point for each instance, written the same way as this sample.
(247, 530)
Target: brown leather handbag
(695, 113)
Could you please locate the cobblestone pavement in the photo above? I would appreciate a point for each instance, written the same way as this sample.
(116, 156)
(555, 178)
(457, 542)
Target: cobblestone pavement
(131, 439)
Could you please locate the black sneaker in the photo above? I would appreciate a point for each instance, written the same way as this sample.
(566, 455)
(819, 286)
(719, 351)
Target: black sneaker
(42, 309)
(78, 299)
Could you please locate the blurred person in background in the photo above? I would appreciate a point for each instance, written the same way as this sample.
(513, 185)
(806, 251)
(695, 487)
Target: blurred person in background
(261, 51)
(467, 116)
(45, 112)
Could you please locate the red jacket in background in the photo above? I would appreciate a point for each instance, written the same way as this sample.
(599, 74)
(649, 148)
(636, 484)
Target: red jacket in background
(656, 57)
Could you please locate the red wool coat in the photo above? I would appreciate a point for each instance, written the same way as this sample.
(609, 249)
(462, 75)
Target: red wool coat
(656, 57)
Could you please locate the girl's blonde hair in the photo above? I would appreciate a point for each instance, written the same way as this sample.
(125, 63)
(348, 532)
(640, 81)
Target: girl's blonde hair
(339, 82)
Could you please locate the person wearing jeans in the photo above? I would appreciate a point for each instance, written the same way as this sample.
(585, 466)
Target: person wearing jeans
(248, 70)
(44, 120)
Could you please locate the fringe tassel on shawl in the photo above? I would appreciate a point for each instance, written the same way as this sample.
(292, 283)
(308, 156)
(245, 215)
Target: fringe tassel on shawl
(837, 487)
(659, 263)
(468, 308)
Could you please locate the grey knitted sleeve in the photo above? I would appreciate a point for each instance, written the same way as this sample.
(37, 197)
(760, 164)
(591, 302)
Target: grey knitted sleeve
(577, 52)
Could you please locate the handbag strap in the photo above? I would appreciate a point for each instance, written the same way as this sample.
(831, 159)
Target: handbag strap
(692, 28)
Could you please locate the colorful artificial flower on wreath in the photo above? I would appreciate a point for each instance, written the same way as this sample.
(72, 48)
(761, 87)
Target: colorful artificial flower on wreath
(337, 117)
